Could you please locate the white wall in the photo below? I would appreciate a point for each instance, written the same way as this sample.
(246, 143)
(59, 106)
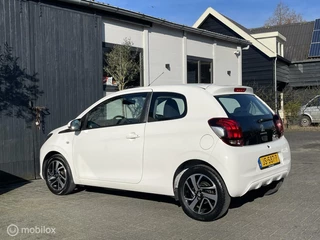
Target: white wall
(116, 31)
(163, 45)
(225, 60)
(199, 46)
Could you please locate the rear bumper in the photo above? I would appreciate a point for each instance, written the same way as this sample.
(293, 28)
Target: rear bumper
(240, 169)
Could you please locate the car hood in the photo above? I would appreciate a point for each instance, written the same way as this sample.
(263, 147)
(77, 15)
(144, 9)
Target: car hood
(57, 130)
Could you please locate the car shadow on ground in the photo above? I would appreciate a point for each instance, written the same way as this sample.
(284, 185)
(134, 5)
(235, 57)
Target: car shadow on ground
(252, 195)
(137, 195)
(235, 202)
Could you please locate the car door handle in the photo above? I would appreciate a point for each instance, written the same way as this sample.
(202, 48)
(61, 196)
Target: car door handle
(132, 135)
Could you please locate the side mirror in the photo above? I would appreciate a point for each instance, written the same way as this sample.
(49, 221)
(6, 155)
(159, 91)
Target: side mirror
(74, 125)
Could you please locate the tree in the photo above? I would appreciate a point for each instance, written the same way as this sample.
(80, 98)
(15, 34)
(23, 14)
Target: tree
(283, 15)
(122, 64)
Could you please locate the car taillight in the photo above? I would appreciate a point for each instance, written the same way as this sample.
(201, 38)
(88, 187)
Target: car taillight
(279, 125)
(240, 89)
(228, 130)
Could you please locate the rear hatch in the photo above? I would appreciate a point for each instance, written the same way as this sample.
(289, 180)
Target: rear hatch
(257, 122)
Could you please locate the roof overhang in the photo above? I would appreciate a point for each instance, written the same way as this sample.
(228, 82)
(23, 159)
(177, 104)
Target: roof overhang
(235, 28)
(124, 12)
(269, 35)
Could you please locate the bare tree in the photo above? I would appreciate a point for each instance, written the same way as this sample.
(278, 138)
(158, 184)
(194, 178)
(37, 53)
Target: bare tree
(283, 15)
(121, 63)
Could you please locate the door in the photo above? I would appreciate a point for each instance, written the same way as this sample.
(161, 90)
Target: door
(110, 146)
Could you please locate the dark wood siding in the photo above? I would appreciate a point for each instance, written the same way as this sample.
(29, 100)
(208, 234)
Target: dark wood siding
(16, 148)
(282, 71)
(304, 74)
(282, 74)
(214, 25)
(64, 48)
(68, 59)
(257, 68)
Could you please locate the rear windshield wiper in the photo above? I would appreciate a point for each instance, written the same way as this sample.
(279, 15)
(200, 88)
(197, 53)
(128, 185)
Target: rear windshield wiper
(264, 120)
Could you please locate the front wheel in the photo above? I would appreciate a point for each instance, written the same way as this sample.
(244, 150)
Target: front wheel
(203, 194)
(58, 175)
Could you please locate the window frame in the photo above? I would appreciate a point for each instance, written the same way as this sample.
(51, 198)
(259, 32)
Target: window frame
(153, 99)
(199, 60)
(105, 46)
(143, 117)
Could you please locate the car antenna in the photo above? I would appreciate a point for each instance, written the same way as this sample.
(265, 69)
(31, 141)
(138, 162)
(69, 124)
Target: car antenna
(156, 78)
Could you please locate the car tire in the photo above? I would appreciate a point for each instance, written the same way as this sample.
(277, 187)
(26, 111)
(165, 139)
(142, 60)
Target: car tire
(58, 175)
(202, 193)
(305, 121)
(273, 187)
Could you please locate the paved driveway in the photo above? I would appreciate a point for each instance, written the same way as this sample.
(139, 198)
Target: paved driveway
(292, 213)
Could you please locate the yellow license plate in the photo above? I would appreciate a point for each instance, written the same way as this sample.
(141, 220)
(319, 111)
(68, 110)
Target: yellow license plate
(269, 160)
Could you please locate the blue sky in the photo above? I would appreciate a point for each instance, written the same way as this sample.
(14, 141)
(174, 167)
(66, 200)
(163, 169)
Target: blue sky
(249, 13)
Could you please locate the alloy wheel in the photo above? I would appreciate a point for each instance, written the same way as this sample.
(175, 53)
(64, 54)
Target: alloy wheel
(57, 175)
(200, 193)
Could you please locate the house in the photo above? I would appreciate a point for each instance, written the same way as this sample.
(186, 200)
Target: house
(302, 49)
(173, 53)
(280, 56)
(60, 44)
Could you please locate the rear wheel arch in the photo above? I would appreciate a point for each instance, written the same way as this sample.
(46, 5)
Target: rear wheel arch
(202, 192)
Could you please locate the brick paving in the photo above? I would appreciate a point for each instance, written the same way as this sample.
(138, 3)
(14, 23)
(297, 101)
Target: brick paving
(291, 213)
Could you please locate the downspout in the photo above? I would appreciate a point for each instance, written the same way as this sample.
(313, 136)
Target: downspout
(240, 64)
(275, 85)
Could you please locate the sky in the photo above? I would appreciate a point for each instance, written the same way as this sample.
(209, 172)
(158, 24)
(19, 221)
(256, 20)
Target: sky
(249, 13)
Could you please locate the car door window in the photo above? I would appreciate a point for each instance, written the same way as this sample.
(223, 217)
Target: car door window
(167, 106)
(315, 102)
(122, 110)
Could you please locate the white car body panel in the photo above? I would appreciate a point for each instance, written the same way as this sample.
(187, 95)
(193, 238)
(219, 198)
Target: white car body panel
(110, 154)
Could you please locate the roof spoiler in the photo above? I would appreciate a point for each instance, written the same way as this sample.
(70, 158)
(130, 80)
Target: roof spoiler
(213, 89)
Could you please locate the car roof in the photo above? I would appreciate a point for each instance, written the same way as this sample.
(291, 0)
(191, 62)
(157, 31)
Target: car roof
(211, 88)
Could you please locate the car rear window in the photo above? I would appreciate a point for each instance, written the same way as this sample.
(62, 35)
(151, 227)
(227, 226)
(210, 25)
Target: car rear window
(253, 116)
(244, 105)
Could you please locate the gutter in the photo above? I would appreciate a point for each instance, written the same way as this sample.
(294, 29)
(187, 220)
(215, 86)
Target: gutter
(120, 11)
(306, 61)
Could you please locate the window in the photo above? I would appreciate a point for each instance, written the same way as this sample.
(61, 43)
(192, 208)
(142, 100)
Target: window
(314, 103)
(280, 49)
(137, 54)
(126, 109)
(243, 105)
(167, 106)
(199, 70)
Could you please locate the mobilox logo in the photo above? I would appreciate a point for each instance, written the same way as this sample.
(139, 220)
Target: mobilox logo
(14, 230)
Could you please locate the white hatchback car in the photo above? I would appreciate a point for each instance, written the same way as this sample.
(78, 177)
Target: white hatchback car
(202, 144)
